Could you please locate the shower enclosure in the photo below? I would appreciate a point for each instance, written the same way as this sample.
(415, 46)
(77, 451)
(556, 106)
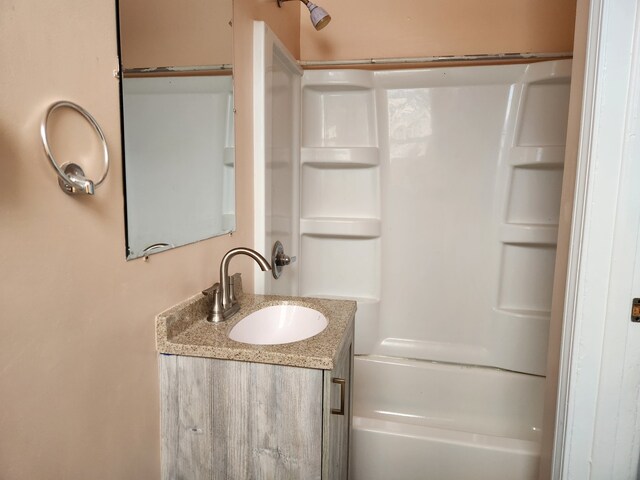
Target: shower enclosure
(430, 196)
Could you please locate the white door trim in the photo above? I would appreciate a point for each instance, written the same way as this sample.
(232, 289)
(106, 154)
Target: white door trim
(597, 419)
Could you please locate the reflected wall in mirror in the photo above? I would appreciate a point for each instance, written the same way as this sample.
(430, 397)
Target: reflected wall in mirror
(177, 113)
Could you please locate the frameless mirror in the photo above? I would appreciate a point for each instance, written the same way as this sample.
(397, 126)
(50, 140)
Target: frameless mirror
(177, 114)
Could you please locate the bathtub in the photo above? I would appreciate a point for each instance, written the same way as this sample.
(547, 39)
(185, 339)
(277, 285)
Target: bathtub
(418, 420)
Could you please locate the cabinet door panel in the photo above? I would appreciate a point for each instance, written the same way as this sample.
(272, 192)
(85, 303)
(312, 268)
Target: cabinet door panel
(336, 426)
(226, 420)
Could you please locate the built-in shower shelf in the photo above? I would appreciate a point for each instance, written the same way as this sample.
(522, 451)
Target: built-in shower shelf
(341, 227)
(537, 157)
(338, 80)
(528, 234)
(340, 157)
(360, 300)
(524, 313)
(229, 156)
(367, 321)
(346, 100)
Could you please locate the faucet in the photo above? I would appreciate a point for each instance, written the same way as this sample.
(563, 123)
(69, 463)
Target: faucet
(224, 302)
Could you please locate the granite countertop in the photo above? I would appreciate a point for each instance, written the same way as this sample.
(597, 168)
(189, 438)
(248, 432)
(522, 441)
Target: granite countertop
(184, 330)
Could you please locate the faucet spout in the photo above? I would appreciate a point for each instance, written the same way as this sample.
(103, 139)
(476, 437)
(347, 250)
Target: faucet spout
(227, 305)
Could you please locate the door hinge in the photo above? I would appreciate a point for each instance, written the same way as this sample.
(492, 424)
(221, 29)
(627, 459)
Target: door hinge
(635, 310)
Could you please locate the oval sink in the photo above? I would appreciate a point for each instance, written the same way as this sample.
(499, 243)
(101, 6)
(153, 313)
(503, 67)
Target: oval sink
(279, 324)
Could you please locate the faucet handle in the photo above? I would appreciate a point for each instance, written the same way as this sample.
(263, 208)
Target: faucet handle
(211, 290)
(279, 259)
(215, 314)
(283, 260)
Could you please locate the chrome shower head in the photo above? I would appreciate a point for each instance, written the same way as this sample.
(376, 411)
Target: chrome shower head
(319, 16)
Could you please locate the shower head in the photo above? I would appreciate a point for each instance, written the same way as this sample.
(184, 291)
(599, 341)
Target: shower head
(319, 16)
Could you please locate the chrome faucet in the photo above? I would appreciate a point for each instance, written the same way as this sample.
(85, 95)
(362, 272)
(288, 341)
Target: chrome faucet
(224, 301)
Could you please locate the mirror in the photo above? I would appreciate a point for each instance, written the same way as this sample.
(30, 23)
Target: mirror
(177, 114)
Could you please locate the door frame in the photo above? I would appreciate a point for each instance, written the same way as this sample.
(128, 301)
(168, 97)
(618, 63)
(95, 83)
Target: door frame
(596, 418)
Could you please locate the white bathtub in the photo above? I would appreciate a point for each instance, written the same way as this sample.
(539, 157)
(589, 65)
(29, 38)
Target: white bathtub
(417, 420)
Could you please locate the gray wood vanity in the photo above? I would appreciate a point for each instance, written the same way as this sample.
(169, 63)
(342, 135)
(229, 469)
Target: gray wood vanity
(231, 410)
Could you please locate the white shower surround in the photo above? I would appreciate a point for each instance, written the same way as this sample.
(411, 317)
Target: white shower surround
(432, 196)
(435, 193)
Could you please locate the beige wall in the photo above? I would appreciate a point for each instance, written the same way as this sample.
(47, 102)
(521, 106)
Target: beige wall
(163, 33)
(285, 23)
(78, 373)
(416, 28)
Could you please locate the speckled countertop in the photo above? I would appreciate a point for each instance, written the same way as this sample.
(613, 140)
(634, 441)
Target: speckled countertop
(184, 330)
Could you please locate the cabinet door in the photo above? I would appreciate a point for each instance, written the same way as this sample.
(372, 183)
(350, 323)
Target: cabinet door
(227, 420)
(337, 418)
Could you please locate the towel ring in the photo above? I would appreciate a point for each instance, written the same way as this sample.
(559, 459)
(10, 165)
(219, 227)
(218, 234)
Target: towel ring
(71, 176)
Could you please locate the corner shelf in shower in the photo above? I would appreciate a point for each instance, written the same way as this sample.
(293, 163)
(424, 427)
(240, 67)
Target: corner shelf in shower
(338, 80)
(341, 227)
(360, 300)
(527, 329)
(339, 265)
(537, 157)
(340, 157)
(338, 110)
(526, 227)
(523, 313)
(340, 193)
(367, 320)
(529, 234)
(229, 156)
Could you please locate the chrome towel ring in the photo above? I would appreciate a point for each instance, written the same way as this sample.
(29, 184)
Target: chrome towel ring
(71, 176)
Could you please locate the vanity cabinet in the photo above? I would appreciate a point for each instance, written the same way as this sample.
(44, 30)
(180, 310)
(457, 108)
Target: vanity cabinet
(234, 420)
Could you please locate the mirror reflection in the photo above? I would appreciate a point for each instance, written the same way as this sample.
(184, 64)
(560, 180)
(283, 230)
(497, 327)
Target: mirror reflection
(177, 113)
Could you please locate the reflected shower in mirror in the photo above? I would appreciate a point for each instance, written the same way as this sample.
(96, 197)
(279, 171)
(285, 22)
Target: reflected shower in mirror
(177, 113)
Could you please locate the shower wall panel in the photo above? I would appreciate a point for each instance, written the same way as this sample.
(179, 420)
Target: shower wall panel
(277, 157)
(340, 193)
(432, 197)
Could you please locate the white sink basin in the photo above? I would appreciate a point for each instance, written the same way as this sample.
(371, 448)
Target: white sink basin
(279, 324)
